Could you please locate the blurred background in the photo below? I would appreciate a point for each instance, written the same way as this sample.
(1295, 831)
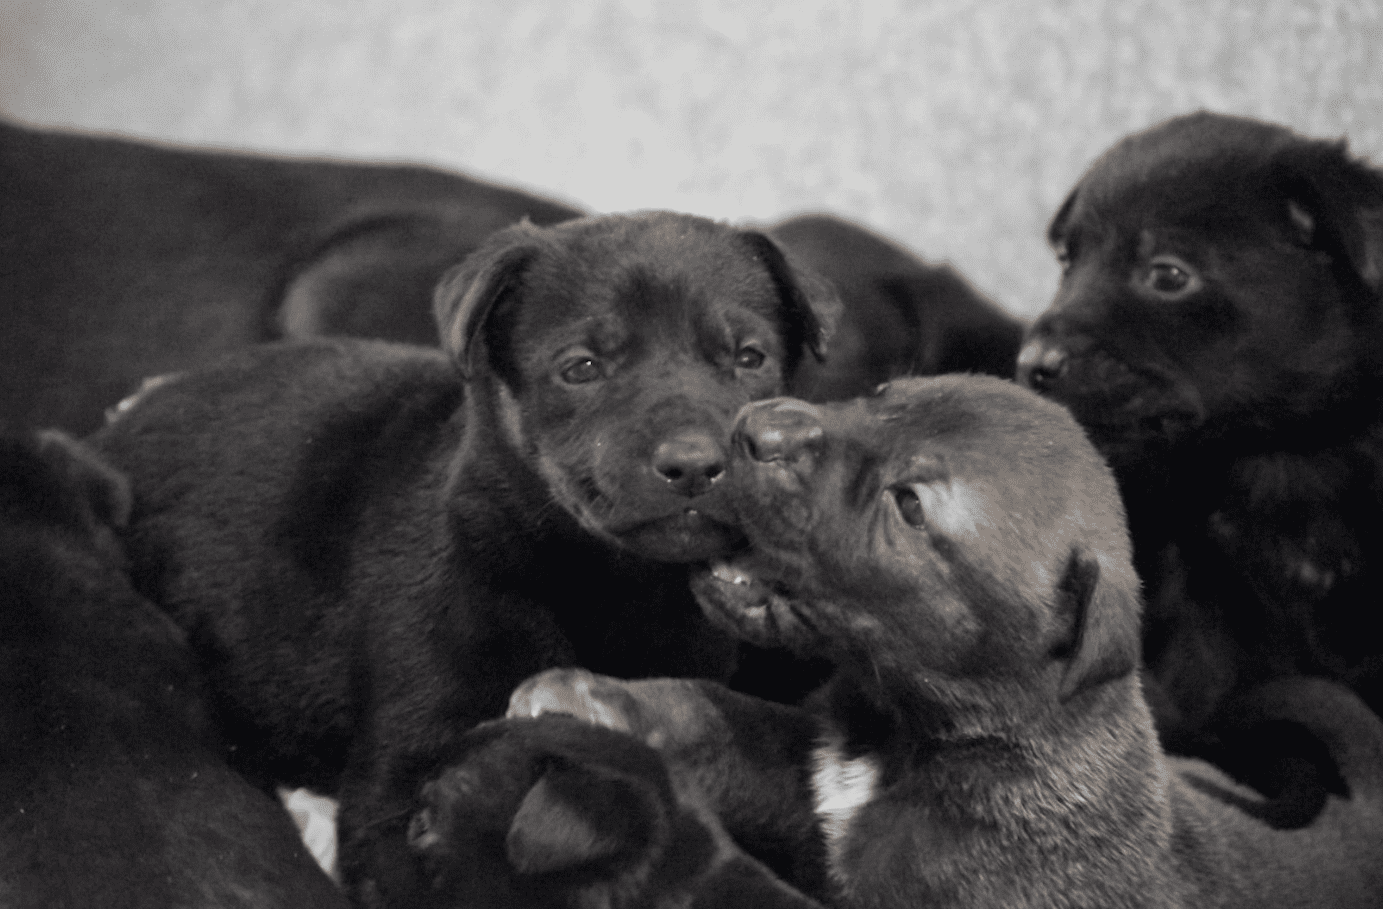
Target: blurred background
(956, 128)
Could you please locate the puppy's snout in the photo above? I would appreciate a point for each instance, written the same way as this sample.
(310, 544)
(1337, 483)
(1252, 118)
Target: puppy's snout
(778, 430)
(1041, 364)
(690, 461)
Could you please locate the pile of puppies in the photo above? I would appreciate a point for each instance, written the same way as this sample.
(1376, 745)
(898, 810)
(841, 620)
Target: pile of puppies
(370, 550)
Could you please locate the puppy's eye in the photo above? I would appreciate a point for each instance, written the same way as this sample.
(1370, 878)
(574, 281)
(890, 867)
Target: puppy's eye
(581, 371)
(1170, 277)
(909, 506)
(1064, 255)
(749, 358)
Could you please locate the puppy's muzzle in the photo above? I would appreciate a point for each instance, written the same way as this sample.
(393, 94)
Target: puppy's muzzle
(1041, 364)
(690, 461)
(779, 429)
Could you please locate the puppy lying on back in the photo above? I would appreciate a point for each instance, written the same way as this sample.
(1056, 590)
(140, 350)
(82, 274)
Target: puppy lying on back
(113, 788)
(957, 548)
(1219, 333)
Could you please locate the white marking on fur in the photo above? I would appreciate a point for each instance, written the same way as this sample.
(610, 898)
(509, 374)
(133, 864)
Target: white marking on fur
(842, 786)
(953, 507)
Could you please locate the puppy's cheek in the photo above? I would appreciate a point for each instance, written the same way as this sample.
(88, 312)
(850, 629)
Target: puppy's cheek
(510, 418)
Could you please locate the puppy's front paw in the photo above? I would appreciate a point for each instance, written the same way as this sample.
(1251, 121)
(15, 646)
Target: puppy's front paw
(597, 699)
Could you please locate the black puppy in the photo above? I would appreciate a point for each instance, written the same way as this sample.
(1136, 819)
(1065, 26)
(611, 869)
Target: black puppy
(114, 790)
(957, 548)
(1219, 333)
(127, 259)
(558, 812)
(371, 544)
(902, 316)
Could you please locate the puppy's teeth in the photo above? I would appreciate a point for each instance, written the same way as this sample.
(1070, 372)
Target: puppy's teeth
(722, 571)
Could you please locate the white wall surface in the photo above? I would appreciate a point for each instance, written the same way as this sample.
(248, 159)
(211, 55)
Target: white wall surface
(955, 127)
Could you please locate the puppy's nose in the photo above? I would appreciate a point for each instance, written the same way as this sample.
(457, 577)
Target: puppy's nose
(779, 429)
(1041, 364)
(690, 461)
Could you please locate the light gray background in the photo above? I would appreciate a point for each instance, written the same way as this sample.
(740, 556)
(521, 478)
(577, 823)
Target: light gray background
(955, 127)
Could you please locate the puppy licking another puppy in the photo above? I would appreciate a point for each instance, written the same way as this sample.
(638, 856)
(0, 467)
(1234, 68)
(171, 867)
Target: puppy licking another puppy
(957, 548)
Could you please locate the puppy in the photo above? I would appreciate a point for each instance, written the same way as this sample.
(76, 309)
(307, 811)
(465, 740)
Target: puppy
(128, 259)
(370, 545)
(1217, 332)
(558, 812)
(957, 548)
(902, 316)
(114, 790)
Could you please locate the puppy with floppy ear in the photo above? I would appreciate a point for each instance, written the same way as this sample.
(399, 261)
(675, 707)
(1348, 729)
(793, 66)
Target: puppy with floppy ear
(557, 812)
(370, 545)
(957, 548)
(1218, 331)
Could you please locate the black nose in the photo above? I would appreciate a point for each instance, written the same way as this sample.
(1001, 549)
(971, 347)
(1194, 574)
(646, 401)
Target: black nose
(1041, 365)
(690, 461)
(778, 430)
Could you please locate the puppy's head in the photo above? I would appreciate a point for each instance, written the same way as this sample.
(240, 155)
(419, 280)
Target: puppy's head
(612, 353)
(1220, 276)
(539, 812)
(943, 533)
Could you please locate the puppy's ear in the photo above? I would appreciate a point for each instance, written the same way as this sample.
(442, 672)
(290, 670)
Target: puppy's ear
(468, 293)
(106, 491)
(577, 817)
(1056, 230)
(812, 306)
(1335, 204)
(1104, 621)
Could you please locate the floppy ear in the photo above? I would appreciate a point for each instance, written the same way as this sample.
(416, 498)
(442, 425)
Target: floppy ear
(106, 491)
(575, 817)
(1335, 203)
(468, 293)
(1104, 614)
(810, 302)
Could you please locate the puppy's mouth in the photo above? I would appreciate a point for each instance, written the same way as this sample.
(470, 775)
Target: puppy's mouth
(738, 596)
(688, 536)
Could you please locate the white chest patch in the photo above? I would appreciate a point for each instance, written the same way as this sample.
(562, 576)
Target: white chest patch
(842, 786)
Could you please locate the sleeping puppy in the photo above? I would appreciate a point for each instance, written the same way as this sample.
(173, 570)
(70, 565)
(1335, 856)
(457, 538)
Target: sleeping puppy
(902, 316)
(1217, 332)
(114, 790)
(557, 812)
(127, 259)
(957, 548)
(370, 545)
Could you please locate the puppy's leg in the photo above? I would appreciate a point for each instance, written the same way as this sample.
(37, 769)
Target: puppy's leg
(747, 760)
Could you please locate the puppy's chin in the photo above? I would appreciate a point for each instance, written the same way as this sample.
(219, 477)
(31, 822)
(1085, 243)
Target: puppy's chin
(753, 608)
(687, 537)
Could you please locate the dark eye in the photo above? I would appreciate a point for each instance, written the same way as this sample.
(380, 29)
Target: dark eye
(1064, 255)
(1170, 277)
(749, 358)
(910, 506)
(581, 371)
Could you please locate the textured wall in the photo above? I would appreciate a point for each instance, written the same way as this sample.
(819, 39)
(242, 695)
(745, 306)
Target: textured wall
(956, 127)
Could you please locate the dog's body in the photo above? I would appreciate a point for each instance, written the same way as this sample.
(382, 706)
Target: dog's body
(114, 790)
(555, 812)
(902, 316)
(958, 549)
(1219, 332)
(371, 544)
(127, 259)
